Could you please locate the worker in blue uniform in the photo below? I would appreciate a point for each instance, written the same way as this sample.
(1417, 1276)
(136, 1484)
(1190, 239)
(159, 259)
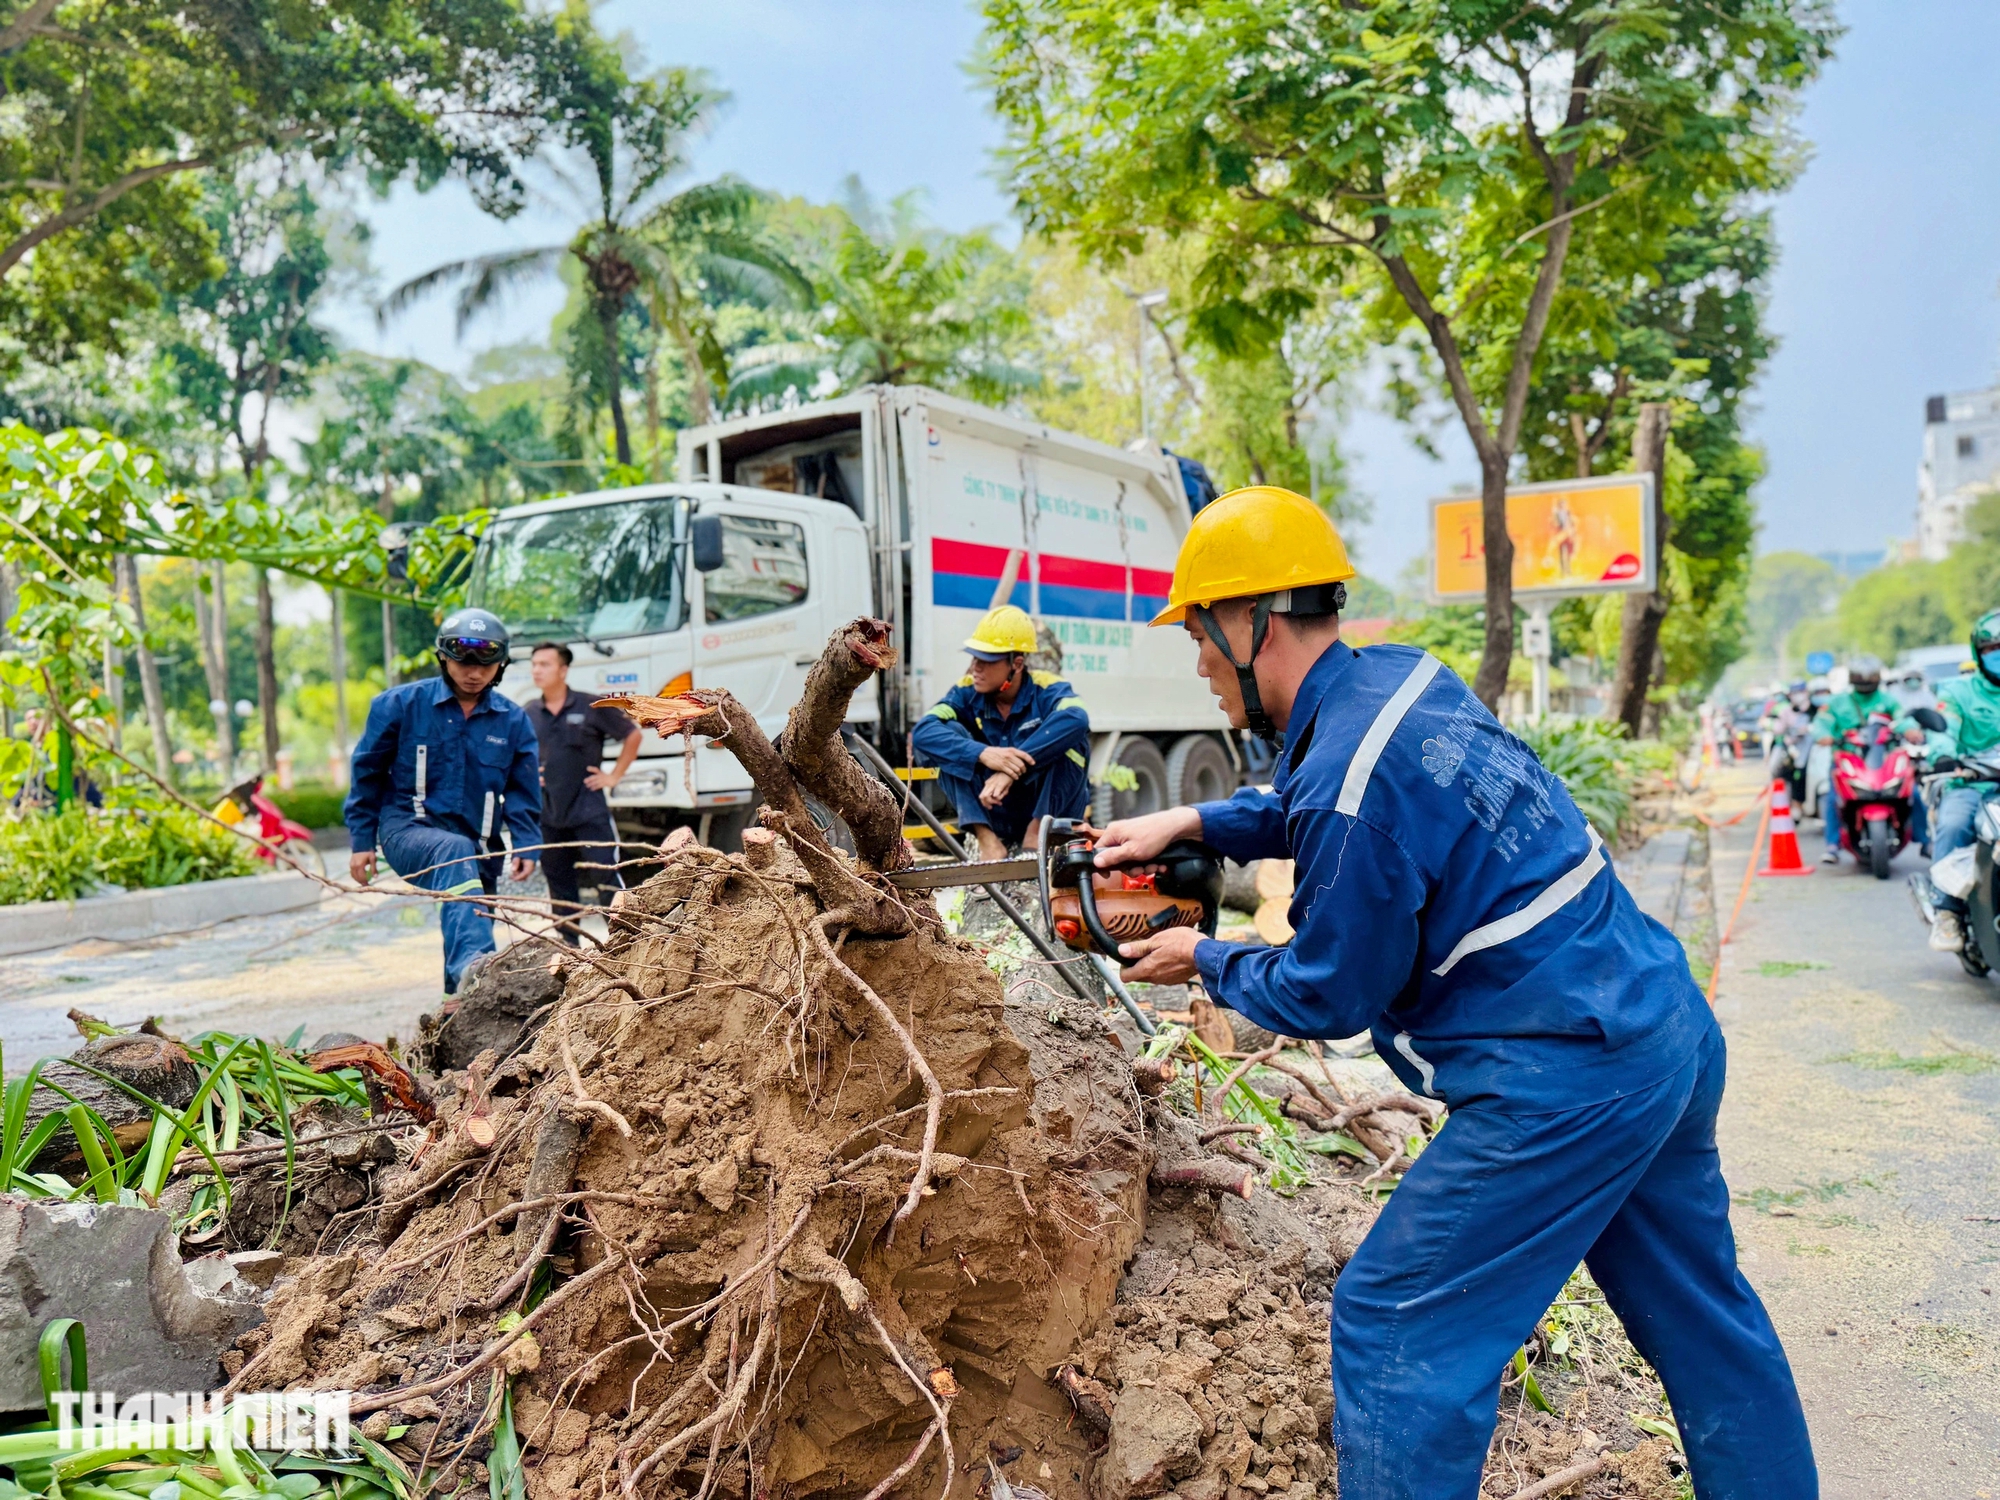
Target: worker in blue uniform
(1010, 745)
(443, 766)
(1452, 900)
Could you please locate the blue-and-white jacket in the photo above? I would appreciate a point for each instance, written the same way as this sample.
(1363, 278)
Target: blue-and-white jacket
(1450, 897)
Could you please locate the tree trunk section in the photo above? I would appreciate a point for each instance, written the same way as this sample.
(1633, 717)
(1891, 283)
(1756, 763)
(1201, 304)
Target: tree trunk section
(149, 678)
(337, 661)
(607, 318)
(1491, 680)
(1639, 634)
(215, 669)
(267, 671)
(156, 1067)
(388, 644)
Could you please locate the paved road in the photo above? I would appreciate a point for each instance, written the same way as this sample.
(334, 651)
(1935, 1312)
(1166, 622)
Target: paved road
(366, 965)
(1859, 1136)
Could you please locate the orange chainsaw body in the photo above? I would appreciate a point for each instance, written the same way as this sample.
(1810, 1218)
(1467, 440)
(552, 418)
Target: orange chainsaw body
(1129, 906)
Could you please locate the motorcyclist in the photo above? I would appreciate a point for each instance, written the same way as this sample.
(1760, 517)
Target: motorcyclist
(1844, 713)
(1791, 723)
(1971, 708)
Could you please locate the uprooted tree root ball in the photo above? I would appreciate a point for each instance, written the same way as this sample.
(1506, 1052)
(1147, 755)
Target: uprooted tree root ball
(783, 1192)
(818, 1216)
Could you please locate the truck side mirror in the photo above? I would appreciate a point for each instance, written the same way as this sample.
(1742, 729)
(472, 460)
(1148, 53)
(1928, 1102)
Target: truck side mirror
(1929, 718)
(705, 536)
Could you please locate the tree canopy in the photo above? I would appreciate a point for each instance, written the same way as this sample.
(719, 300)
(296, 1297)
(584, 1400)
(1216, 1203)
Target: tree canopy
(1454, 156)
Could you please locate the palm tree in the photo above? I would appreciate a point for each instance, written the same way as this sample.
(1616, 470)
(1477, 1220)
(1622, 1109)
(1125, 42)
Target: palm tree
(625, 140)
(900, 303)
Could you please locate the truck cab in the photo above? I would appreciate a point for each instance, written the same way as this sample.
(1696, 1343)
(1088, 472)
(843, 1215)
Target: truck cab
(612, 575)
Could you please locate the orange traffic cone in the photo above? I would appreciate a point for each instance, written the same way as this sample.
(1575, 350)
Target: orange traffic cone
(1784, 835)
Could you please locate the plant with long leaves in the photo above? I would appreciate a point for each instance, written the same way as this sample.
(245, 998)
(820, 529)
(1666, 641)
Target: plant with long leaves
(900, 303)
(621, 142)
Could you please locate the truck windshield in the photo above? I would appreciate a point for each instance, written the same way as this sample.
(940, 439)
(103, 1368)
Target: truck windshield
(590, 573)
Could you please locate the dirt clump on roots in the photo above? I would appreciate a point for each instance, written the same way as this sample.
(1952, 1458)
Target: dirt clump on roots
(784, 1194)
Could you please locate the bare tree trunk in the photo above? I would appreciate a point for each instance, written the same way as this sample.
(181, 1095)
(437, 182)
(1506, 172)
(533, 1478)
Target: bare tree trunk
(337, 660)
(1639, 633)
(114, 665)
(1490, 681)
(388, 644)
(267, 671)
(149, 675)
(607, 318)
(215, 668)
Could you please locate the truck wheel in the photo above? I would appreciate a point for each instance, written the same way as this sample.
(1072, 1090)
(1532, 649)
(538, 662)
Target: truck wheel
(1143, 759)
(1199, 770)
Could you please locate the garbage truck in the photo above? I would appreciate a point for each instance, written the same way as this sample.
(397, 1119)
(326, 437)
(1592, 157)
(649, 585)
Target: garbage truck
(895, 501)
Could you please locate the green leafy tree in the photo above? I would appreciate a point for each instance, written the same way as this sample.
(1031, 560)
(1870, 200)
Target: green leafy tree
(619, 143)
(113, 107)
(239, 343)
(900, 302)
(1448, 154)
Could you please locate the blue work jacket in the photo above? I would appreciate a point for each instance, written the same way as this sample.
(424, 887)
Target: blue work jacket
(1047, 720)
(1450, 898)
(421, 760)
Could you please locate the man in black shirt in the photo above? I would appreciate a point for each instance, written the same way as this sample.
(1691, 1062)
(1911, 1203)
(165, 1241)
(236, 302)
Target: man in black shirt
(576, 822)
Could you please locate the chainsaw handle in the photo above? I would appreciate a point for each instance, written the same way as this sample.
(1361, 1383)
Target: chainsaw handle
(1086, 902)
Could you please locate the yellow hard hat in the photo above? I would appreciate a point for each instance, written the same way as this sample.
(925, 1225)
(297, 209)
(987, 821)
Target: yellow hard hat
(1258, 540)
(1006, 631)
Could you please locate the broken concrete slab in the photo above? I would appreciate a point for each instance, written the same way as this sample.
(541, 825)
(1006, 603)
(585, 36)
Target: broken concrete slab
(152, 1324)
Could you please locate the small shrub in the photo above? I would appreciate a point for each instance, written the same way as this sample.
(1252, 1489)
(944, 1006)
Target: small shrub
(314, 804)
(50, 857)
(1591, 757)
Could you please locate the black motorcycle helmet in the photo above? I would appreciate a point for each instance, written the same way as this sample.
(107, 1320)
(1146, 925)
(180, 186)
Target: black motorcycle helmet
(1985, 640)
(472, 637)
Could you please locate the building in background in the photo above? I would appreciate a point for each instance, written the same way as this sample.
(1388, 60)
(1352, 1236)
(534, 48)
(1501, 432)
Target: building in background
(1961, 463)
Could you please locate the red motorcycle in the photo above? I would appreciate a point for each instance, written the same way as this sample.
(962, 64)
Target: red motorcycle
(245, 801)
(1875, 778)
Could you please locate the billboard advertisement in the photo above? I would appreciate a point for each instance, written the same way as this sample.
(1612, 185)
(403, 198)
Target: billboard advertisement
(1574, 536)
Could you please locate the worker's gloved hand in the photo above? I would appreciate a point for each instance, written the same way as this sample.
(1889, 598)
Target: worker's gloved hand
(1009, 762)
(1134, 840)
(1166, 959)
(361, 866)
(998, 785)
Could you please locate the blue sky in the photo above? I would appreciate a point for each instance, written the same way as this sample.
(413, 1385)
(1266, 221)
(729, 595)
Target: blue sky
(1888, 289)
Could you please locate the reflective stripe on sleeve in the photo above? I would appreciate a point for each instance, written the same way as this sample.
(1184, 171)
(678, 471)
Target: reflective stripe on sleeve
(1077, 756)
(1376, 740)
(1070, 703)
(423, 769)
(942, 711)
(1559, 894)
(486, 819)
(1410, 1053)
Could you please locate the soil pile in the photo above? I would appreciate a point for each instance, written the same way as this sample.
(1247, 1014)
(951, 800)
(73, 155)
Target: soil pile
(820, 1207)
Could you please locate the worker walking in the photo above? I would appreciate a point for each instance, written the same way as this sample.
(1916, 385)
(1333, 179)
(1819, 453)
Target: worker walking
(1452, 900)
(1010, 745)
(580, 842)
(443, 767)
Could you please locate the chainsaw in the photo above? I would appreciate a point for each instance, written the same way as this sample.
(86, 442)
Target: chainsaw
(1092, 910)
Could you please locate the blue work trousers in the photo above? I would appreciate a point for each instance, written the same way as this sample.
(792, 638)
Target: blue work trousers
(436, 859)
(1956, 811)
(1060, 789)
(1481, 1237)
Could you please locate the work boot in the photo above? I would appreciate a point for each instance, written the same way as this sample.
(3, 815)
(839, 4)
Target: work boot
(1948, 933)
